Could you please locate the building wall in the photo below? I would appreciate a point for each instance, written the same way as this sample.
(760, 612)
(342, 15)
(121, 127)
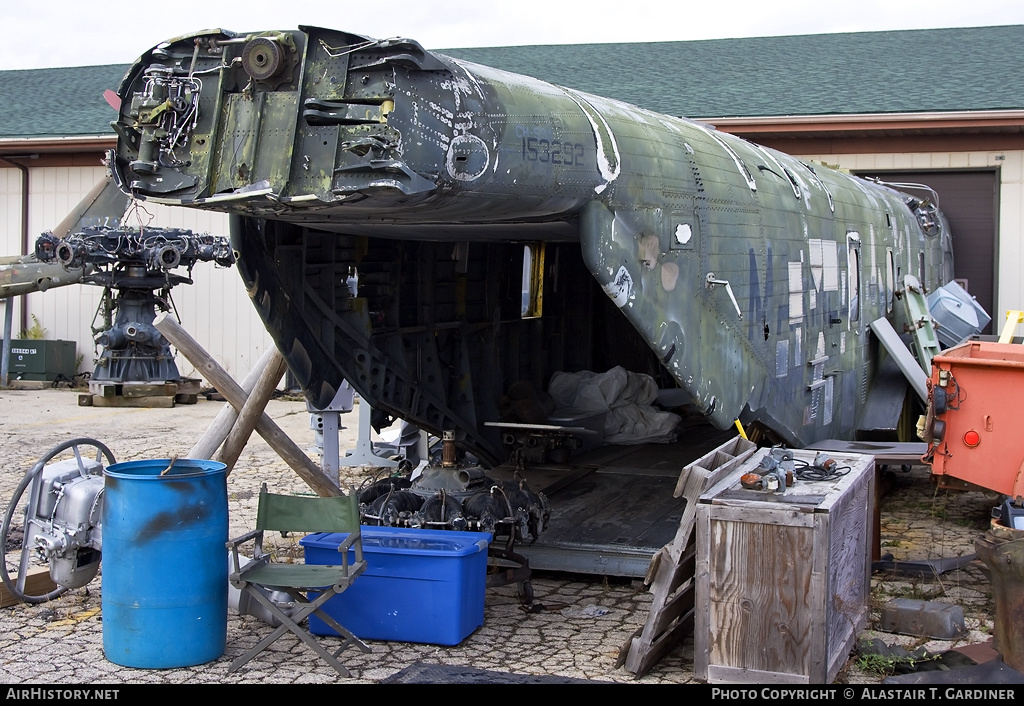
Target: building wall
(1010, 206)
(215, 310)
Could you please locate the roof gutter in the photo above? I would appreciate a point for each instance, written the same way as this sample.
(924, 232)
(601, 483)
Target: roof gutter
(869, 121)
(57, 144)
(14, 161)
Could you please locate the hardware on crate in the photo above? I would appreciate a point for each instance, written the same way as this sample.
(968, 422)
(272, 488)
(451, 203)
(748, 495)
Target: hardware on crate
(774, 473)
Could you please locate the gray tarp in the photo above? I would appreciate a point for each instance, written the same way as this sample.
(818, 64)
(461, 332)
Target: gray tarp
(627, 399)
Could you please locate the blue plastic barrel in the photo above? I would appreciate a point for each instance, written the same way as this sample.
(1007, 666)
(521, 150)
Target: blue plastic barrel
(165, 578)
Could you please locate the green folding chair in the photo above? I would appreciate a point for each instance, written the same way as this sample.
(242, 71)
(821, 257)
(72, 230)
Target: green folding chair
(259, 577)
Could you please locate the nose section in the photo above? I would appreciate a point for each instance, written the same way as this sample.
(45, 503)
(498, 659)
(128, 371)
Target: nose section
(301, 118)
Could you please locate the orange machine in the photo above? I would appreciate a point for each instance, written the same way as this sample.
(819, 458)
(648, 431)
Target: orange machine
(974, 425)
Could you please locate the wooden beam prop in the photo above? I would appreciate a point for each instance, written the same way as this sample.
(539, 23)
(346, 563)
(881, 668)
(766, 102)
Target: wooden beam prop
(251, 410)
(314, 477)
(221, 425)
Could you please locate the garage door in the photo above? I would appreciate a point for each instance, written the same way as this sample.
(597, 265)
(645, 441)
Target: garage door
(969, 201)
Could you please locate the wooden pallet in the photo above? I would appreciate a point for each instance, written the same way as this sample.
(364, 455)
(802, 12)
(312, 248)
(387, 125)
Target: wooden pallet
(671, 573)
(37, 583)
(140, 394)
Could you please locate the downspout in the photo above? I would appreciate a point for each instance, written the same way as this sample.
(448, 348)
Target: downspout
(25, 249)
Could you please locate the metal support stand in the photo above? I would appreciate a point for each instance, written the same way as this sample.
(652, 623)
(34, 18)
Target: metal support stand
(363, 454)
(5, 363)
(505, 566)
(329, 428)
(330, 461)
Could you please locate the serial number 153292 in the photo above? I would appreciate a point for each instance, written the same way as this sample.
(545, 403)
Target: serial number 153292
(552, 151)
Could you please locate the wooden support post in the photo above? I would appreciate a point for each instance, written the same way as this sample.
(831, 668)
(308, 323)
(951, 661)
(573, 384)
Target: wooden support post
(251, 410)
(314, 477)
(221, 425)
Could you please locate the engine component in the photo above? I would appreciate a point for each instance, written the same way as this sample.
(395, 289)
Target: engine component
(455, 495)
(823, 460)
(61, 519)
(442, 510)
(135, 264)
(371, 491)
(541, 446)
(752, 481)
(394, 509)
(774, 472)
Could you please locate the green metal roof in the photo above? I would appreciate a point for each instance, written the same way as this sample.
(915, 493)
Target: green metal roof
(66, 102)
(824, 74)
(908, 71)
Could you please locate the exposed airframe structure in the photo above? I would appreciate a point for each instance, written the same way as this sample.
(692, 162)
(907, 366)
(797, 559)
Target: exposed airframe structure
(434, 231)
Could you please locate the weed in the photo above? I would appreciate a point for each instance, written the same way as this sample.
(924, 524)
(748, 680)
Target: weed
(34, 332)
(877, 664)
(876, 657)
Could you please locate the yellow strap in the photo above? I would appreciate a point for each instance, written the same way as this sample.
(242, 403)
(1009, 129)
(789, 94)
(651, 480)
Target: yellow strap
(739, 427)
(1012, 319)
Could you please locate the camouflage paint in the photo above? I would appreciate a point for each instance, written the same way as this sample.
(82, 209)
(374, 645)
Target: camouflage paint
(342, 154)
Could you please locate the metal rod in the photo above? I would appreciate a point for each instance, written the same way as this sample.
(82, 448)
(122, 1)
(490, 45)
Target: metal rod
(5, 364)
(8, 322)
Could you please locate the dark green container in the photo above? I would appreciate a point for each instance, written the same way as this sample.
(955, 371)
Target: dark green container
(41, 359)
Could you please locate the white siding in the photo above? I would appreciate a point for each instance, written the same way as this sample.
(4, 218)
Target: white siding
(215, 310)
(10, 229)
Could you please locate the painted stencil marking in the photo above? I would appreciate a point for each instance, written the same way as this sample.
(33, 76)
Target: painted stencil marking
(796, 292)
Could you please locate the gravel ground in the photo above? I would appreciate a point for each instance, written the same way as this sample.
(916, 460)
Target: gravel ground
(580, 639)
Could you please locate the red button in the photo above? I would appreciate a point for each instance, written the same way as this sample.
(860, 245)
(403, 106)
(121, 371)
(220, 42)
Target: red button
(972, 438)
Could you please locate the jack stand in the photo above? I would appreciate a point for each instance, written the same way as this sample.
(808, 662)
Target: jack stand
(505, 566)
(327, 424)
(363, 454)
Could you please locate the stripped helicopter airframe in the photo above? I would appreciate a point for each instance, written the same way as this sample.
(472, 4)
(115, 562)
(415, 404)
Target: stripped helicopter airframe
(434, 231)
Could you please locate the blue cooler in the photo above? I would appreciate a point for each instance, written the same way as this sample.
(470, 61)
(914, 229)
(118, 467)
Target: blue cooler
(419, 585)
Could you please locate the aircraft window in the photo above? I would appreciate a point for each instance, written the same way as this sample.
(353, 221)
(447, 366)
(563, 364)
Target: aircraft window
(853, 265)
(533, 281)
(890, 278)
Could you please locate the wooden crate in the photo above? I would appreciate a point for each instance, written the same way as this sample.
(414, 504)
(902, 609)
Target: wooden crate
(783, 581)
